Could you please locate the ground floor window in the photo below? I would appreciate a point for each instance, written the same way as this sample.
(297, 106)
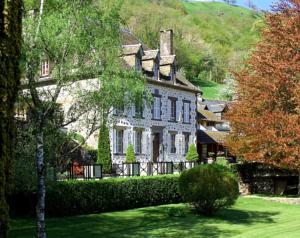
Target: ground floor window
(173, 144)
(138, 142)
(186, 142)
(119, 141)
(204, 151)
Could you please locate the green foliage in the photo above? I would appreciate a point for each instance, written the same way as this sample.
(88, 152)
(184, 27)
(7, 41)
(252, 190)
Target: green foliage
(192, 154)
(222, 161)
(208, 188)
(77, 137)
(130, 156)
(66, 198)
(104, 155)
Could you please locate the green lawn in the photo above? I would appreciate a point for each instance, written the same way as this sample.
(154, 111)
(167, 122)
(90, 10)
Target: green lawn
(250, 217)
(210, 89)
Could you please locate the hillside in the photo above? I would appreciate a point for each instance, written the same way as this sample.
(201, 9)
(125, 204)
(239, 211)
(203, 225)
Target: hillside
(211, 38)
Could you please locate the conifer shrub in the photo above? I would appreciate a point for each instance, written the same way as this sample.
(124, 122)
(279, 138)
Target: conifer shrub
(209, 187)
(192, 154)
(104, 155)
(130, 156)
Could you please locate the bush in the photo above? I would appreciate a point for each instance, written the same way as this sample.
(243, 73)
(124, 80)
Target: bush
(130, 157)
(222, 161)
(67, 198)
(192, 154)
(208, 188)
(103, 155)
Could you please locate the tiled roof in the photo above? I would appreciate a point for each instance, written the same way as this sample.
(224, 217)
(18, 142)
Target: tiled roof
(211, 137)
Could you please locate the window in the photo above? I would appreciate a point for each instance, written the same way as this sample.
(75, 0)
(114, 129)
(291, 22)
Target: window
(186, 112)
(119, 141)
(173, 146)
(45, 68)
(138, 142)
(204, 151)
(119, 110)
(186, 142)
(173, 110)
(156, 108)
(139, 110)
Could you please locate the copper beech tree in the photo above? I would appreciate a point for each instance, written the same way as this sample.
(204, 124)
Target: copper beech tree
(265, 119)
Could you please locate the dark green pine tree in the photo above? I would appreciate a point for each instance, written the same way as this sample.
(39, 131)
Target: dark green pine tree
(104, 156)
(10, 45)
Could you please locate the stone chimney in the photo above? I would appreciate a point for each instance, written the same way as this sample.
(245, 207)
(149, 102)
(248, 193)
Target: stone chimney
(166, 42)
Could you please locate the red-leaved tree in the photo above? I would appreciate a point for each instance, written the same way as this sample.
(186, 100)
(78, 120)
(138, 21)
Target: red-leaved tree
(265, 119)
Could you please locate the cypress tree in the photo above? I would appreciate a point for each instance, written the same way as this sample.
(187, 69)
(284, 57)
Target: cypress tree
(103, 155)
(10, 45)
(192, 154)
(130, 157)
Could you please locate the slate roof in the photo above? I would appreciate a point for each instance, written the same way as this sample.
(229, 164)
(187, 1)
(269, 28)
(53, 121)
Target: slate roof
(166, 60)
(131, 49)
(211, 137)
(130, 45)
(150, 54)
(215, 105)
(207, 115)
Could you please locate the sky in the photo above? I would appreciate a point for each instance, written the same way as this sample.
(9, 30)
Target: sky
(261, 4)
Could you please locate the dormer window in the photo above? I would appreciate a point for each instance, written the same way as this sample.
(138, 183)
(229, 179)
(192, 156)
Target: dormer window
(45, 68)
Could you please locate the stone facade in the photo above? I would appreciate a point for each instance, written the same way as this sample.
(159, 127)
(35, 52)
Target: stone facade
(164, 127)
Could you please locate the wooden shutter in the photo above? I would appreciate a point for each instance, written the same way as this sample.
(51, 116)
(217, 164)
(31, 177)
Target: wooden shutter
(177, 144)
(115, 140)
(125, 140)
(144, 142)
(169, 110)
(178, 110)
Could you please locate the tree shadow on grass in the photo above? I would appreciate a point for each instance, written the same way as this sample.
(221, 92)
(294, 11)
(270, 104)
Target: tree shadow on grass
(150, 222)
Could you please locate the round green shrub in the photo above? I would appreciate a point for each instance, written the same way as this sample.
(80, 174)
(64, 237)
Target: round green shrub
(208, 188)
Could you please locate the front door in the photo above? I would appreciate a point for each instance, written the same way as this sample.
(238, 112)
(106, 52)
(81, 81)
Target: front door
(155, 148)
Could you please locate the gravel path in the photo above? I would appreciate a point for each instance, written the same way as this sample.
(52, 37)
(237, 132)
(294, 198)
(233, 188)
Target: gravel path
(294, 201)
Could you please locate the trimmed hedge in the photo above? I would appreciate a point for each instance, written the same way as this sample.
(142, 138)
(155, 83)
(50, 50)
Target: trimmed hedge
(67, 198)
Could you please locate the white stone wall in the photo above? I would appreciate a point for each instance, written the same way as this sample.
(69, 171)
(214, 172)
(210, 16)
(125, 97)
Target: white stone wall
(128, 123)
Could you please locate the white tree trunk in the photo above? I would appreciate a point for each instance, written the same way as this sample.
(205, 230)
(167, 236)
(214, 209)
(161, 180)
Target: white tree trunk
(40, 209)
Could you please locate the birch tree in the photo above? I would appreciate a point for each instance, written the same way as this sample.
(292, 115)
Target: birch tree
(79, 40)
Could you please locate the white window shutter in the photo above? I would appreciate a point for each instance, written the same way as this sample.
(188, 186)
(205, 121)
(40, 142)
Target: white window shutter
(169, 110)
(177, 143)
(178, 110)
(191, 140)
(169, 143)
(144, 142)
(134, 140)
(115, 140)
(125, 140)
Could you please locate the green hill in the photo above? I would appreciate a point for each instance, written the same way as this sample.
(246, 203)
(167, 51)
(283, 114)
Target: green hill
(211, 38)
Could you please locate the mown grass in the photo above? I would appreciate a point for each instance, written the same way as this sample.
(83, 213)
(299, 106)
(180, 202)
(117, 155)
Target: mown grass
(211, 89)
(250, 217)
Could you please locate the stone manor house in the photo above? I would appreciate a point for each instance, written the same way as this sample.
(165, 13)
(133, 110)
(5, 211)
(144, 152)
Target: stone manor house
(164, 131)
(160, 132)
